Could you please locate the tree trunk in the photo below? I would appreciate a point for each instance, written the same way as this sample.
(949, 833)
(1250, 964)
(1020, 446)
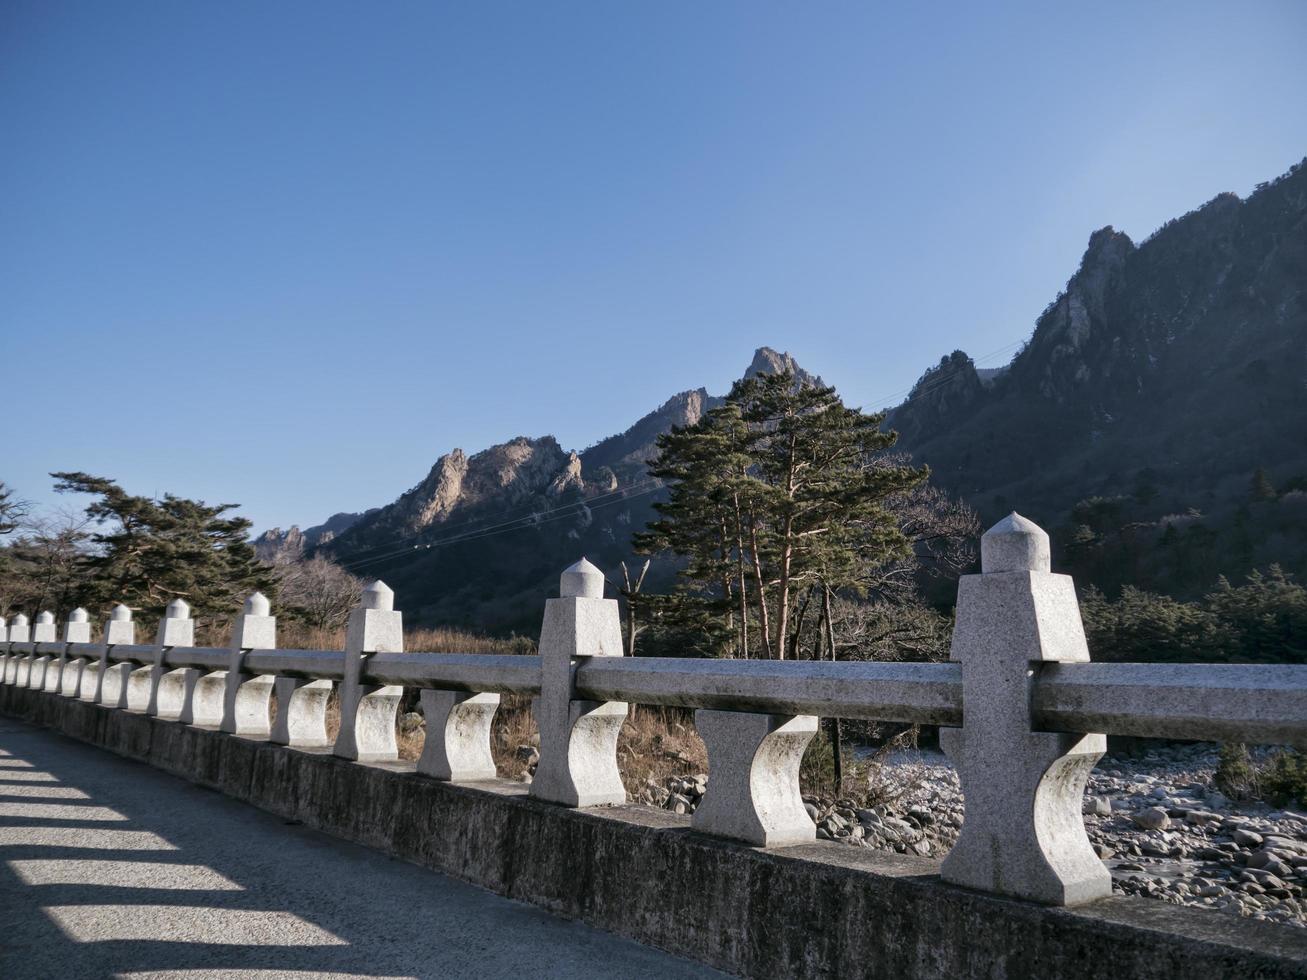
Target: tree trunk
(632, 590)
(744, 591)
(787, 556)
(783, 597)
(799, 617)
(763, 618)
(727, 579)
(836, 735)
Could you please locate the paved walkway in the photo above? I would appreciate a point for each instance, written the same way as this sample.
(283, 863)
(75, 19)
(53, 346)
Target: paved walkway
(109, 868)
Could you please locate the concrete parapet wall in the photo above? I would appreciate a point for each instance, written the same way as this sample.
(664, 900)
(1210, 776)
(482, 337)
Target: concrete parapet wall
(809, 910)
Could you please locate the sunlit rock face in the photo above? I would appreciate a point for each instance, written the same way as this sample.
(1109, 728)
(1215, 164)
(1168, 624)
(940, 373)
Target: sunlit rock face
(478, 535)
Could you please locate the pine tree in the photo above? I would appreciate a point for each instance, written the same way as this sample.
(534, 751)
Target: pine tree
(704, 521)
(10, 510)
(775, 494)
(152, 551)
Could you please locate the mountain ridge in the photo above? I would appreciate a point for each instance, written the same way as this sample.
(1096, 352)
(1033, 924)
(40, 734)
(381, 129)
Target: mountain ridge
(1115, 394)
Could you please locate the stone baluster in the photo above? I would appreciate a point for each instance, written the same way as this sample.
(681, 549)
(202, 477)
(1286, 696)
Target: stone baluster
(578, 739)
(247, 701)
(301, 712)
(204, 695)
(1023, 834)
(367, 711)
(45, 631)
(457, 747)
(753, 769)
(111, 679)
(88, 678)
(167, 691)
(19, 632)
(4, 651)
(67, 672)
(88, 684)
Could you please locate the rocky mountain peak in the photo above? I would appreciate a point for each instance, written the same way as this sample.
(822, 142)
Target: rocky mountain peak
(1102, 263)
(436, 496)
(505, 475)
(951, 386)
(1076, 327)
(275, 545)
(623, 456)
(769, 361)
(568, 478)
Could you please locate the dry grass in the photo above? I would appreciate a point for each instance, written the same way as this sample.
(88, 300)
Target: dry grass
(658, 742)
(446, 640)
(514, 725)
(297, 636)
(654, 743)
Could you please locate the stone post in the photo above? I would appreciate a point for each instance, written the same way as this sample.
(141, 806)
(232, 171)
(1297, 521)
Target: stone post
(578, 739)
(458, 735)
(168, 687)
(45, 631)
(4, 654)
(247, 702)
(367, 711)
(753, 777)
(111, 680)
(19, 632)
(76, 630)
(1023, 834)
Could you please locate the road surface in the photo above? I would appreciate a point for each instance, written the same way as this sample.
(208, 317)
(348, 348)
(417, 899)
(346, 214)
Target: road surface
(109, 868)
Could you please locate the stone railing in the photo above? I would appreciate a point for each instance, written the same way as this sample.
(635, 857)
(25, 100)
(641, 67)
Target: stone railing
(1023, 712)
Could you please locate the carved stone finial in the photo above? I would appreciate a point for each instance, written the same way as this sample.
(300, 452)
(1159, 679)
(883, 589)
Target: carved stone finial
(257, 605)
(79, 615)
(379, 595)
(180, 609)
(121, 614)
(1014, 544)
(45, 618)
(582, 580)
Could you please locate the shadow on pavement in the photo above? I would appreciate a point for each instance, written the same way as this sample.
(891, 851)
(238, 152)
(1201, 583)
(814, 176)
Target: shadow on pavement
(109, 868)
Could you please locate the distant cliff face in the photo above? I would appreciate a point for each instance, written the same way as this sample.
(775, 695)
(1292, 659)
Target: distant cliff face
(276, 544)
(625, 454)
(1183, 356)
(480, 539)
(514, 473)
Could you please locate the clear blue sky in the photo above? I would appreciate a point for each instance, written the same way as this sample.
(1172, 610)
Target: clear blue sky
(287, 254)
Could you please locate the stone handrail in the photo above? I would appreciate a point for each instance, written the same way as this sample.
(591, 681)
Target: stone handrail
(927, 694)
(1257, 703)
(496, 673)
(1022, 711)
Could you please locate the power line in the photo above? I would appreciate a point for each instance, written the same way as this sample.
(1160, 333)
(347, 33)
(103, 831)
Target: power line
(528, 516)
(474, 536)
(522, 524)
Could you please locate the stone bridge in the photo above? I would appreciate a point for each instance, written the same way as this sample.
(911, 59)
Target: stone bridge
(112, 869)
